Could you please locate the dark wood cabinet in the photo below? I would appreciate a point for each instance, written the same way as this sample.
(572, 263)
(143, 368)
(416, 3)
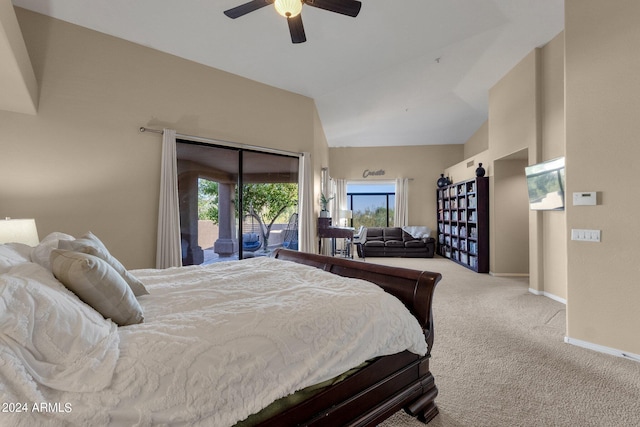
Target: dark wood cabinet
(463, 223)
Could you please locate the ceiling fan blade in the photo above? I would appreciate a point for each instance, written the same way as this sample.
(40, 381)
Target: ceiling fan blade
(296, 29)
(344, 7)
(243, 9)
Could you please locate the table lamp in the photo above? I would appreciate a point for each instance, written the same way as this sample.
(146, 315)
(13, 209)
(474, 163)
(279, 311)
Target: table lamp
(346, 215)
(19, 230)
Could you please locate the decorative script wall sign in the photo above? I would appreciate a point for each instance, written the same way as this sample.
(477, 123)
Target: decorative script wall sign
(368, 173)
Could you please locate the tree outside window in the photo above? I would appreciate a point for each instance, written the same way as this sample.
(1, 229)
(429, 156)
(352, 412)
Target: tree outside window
(264, 202)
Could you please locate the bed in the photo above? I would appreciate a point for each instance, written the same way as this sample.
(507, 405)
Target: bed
(291, 339)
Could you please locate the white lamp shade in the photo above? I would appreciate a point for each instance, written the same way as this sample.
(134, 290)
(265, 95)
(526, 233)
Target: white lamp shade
(288, 8)
(19, 231)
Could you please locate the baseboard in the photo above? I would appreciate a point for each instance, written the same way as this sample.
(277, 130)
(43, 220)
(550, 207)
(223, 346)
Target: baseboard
(548, 295)
(491, 273)
(602, 349)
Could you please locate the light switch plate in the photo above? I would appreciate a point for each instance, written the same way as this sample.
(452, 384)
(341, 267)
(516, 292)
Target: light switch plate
(585, 235)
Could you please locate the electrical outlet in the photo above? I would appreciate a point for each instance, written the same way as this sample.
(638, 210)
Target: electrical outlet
(585, 235)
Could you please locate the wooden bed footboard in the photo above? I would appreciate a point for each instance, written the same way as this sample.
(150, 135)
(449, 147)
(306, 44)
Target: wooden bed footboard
(390, 383)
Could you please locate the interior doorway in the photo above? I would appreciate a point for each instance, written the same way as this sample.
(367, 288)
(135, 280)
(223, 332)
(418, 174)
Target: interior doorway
(510, 216)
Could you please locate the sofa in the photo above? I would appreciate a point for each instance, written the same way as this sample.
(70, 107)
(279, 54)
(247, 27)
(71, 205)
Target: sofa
(396, 242)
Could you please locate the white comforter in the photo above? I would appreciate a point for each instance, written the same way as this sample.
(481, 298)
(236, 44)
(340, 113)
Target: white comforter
(223, 341)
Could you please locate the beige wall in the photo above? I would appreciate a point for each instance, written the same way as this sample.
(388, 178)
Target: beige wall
(552, 84)
(513, 128)
(478, 142)
(553, 224)
(525, 126)
(602, 128)
(513, 110)
(80, 164)
(320, 156)
(423, 164)
(18, 84)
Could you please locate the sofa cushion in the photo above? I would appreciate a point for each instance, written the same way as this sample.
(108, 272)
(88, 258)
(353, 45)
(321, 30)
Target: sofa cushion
(415, 244)
(392, 233)
(374, 243)
(394, 244)
(374, 233)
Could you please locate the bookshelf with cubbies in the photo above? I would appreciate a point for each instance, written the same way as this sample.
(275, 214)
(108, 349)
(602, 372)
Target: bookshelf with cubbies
(463, 223)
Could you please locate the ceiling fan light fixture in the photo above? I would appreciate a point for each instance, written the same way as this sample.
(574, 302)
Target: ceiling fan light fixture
(288, 8)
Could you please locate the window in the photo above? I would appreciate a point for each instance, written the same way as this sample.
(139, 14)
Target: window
(371, 204)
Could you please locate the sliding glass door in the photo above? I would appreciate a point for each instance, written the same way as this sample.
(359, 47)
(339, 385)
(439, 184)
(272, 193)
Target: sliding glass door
(270, 201)
(235, 203)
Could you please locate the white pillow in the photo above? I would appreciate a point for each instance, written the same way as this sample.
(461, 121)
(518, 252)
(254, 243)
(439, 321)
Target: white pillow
(12, 254)
(42, 252)
(63, 343)
(90, 244)
(98, 284)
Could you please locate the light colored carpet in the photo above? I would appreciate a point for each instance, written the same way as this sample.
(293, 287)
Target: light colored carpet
(499, 359)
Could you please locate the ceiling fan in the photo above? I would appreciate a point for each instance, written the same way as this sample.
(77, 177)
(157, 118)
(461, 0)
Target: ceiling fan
(291, 9)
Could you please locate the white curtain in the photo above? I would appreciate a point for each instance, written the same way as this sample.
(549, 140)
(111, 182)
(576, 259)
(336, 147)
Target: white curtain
(333, 208)
(401, 217)
(339, 201)
(306, 220)
(338, 207)
(169, 253)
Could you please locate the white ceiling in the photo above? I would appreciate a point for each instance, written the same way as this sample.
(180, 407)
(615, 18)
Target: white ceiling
(409, 72)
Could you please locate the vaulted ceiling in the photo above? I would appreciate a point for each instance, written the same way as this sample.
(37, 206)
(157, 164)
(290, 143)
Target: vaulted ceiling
(410, 72)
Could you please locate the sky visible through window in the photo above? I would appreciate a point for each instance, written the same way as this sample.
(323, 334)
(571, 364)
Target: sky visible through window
(369, 201)
(378, 187)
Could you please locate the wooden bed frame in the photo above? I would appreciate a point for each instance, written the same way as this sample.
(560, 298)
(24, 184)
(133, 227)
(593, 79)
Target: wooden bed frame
(390, 383)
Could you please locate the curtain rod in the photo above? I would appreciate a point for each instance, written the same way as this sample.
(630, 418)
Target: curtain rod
(225, 143)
